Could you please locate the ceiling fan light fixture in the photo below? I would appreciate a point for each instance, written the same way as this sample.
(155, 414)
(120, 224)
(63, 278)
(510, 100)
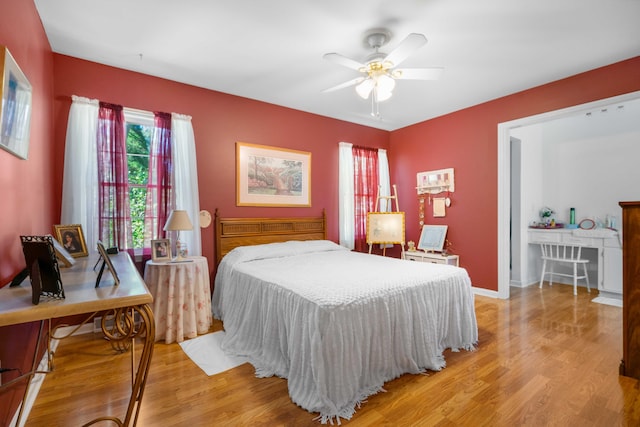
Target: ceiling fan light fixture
(382, 95)
(364, 89)
(385, 83)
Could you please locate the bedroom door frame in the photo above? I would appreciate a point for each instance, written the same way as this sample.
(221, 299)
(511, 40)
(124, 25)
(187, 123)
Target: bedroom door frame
(504, 176)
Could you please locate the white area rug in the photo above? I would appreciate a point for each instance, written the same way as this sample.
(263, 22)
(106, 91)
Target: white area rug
(608, 301)
(205, 352)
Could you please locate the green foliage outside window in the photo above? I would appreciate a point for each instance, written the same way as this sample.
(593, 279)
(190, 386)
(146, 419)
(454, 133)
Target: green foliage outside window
(138, 142)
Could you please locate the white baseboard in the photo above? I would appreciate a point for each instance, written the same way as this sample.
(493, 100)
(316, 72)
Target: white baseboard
(38, 379)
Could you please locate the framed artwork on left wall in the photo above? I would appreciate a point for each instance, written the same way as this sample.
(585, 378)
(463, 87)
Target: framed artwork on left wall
(15, 109)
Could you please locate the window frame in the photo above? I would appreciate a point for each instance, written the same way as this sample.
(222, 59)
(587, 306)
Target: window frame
(141, 118)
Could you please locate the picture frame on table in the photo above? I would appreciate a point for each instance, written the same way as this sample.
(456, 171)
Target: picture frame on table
(62, 254)
(432, 238)
(42, 267)
(106, 262)
(15, 108)
(72, 239)
(161, 250)
(270, 176)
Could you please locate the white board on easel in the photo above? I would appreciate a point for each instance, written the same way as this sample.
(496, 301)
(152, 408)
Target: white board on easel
(385, 228)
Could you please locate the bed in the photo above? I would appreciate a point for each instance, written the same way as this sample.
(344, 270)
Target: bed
(336, 324)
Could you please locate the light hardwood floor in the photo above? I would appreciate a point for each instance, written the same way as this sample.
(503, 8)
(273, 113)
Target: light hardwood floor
(544, 358)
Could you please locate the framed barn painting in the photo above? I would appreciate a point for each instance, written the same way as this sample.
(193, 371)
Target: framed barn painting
(269, 176)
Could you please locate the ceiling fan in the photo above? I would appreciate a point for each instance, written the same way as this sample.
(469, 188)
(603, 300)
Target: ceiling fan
(379, 69)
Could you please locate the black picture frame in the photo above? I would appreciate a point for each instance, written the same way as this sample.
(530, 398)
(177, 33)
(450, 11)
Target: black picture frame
(42, 266)
(106, 261)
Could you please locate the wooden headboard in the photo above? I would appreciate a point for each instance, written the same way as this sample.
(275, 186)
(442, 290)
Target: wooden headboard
(234, 232)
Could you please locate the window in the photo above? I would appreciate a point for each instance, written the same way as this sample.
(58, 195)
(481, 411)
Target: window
(138, 143)
(362, 173)
(103, 142)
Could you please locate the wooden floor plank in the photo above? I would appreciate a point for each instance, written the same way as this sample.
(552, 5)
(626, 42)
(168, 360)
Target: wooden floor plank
(544, 357)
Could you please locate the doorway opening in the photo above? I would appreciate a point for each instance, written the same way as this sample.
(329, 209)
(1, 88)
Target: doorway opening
(505, 138)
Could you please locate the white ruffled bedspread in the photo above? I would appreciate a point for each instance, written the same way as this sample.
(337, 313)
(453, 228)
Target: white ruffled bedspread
(339, 324)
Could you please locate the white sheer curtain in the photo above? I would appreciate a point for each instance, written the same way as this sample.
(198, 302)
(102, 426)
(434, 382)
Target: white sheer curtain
(80, 177)
(346, 203)
(383, 180)
(186, 190)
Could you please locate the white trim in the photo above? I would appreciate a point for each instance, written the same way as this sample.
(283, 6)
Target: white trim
(504, 174)
(484, 292)
(38, 379)
(139, 117)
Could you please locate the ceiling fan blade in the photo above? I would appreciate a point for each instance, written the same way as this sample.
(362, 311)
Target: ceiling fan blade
(345, 84)
(417, 73)
(409, 45)
(344, 61)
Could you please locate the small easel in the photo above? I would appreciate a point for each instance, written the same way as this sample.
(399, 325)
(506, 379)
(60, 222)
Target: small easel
(386, 227)
(394, 197)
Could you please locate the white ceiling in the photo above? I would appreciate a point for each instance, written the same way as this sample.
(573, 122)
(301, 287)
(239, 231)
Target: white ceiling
(272, 50)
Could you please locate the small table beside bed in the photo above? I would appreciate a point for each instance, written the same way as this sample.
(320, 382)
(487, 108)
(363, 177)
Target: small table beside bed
(336, 324)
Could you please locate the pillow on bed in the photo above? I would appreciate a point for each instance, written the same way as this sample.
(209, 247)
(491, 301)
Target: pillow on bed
(279, 250)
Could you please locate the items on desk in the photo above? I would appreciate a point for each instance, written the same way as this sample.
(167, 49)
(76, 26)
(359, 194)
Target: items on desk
(106, 262)
(42, 267)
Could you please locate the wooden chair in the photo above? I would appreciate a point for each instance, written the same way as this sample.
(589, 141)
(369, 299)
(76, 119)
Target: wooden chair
(568, 254)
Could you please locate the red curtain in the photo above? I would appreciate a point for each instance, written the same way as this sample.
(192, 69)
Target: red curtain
(160, 185)
(114, 225)
(365, 180)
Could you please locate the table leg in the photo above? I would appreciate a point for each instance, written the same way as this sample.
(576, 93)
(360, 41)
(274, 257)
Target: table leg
(121, 334)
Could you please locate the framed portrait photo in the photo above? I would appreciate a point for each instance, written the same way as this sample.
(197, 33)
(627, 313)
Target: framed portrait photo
(161, 250)
(269, 176)
(72, 239)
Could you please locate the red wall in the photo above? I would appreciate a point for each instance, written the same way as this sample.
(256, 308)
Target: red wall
(467, 141)
(27, 187)
(219, 120)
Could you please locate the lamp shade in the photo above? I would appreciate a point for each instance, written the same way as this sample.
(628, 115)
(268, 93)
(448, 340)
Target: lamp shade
(177, 221)
(364, 88)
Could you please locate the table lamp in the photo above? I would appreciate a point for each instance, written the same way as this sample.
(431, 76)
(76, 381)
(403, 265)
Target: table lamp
(178, 221)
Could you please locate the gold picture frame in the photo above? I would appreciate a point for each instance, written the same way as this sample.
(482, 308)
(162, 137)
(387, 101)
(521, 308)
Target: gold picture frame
(385, 228)
(72, 239)
(15, 108)
(269, 176)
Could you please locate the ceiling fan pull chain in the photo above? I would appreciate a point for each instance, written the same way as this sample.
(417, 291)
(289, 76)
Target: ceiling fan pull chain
(373, 103)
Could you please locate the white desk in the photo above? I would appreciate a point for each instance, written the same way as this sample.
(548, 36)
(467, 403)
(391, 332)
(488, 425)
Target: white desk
(181, 298)
(605, 241)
